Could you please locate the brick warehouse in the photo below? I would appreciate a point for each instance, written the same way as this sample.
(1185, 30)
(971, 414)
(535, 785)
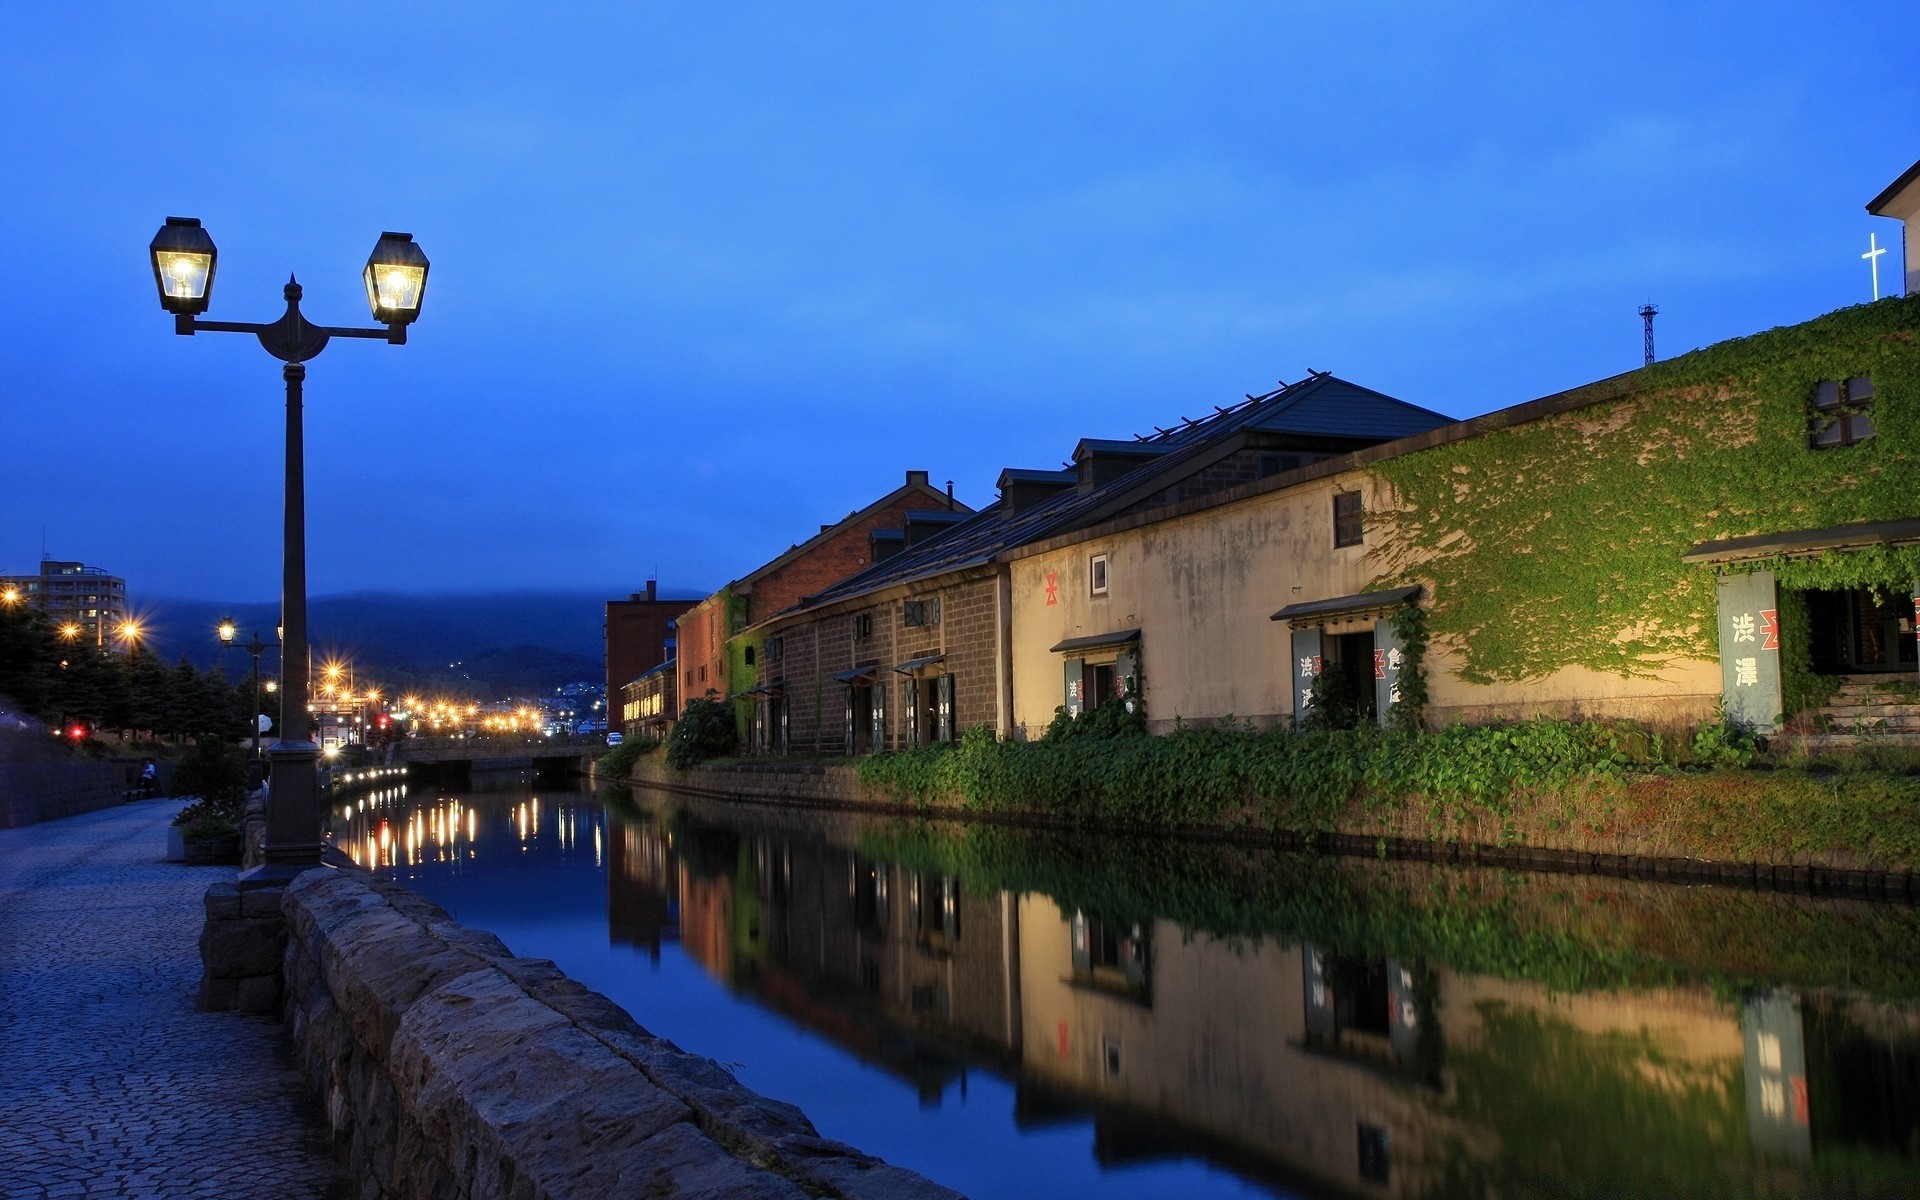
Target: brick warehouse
(711, 658)
(916, 647)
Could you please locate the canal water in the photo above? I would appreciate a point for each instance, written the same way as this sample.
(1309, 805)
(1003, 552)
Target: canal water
(1015, 1013)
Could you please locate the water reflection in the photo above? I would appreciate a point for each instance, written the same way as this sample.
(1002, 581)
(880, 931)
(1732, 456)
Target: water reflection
(1204, 1019)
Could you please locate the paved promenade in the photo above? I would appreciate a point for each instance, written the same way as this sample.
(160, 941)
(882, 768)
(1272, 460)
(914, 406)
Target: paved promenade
(111, 1084)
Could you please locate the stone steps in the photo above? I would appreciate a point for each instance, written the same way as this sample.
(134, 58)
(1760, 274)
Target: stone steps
(1879, 706)
(1836, 741)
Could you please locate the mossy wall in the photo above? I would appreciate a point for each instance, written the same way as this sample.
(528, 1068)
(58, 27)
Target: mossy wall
(1557, 544)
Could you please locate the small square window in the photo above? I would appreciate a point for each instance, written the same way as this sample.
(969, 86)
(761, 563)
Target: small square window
(1349, 519)
(1840, 412)
(1097, 575)
(863, 625)
(913, 612)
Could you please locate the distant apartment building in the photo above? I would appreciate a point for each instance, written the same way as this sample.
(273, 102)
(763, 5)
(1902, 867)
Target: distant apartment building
(72, 593)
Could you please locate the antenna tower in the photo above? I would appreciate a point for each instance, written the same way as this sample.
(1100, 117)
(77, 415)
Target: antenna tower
(1647, 313)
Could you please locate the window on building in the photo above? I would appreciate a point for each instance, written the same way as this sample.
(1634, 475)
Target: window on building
(1349, 519)
(776, 648)
(1841, 409)
(703, 672)
(749, 655)
(863, 625)
(1097, 574)
(921, 612)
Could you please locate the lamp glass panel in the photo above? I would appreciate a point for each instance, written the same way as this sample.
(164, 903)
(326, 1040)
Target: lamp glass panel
(183, 273)
(394, 288)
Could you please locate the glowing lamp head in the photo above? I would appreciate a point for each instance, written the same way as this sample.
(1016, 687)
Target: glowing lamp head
(10, 596)
(129, 631)
(183, 258)
(70, 631)
(396, 279)
(228, 630)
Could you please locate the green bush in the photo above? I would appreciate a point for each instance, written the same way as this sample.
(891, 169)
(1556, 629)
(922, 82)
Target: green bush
(706, 730)
(215, 775)
(618, 762)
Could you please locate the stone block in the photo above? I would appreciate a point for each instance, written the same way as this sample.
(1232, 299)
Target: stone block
(259, 995)
(223, 902)
(241, 948)
(261, 902)
(218, 995)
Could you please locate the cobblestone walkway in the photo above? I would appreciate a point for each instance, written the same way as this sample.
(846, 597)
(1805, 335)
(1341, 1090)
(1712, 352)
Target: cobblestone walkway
(111, 1084)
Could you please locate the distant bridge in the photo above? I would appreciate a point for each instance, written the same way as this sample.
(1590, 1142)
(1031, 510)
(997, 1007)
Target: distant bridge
(495, 753)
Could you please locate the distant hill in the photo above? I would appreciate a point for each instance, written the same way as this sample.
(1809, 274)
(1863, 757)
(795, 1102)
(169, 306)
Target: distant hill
(497, 644)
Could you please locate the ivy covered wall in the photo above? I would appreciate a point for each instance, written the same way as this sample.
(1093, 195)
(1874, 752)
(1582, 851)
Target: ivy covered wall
(1557, 544)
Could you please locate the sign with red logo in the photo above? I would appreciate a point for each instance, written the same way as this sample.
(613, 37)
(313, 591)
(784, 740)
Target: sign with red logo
(1770, 629)
(1053, 587)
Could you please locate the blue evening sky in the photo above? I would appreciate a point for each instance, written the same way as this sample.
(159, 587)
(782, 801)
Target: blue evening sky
(708, 275)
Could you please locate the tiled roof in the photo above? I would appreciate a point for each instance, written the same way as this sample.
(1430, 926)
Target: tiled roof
(1318, 405)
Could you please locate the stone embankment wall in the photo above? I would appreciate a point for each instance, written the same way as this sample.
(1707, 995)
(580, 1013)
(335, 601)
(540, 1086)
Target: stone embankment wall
(31, 792)
(449, 1067)
(1646, 854)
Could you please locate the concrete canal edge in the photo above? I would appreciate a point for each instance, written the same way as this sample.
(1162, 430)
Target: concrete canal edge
(448, 1066)
(835, 786)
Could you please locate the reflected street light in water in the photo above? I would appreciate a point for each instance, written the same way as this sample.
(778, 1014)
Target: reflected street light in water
(185, 262)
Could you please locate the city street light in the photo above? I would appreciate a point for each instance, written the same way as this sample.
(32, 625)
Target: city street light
(184, 262)
(228, 631)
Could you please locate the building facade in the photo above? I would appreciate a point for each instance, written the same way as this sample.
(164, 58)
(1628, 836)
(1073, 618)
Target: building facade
(649, 704)
(639, 637)
(1736, 528)
(87, 599)
(918, 646)
(715, 662)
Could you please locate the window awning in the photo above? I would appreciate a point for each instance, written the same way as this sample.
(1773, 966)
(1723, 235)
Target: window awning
(1807, 541)
(768, 689)
(857, 675)
(914, 664)
(1098, 641)
(1346, 607)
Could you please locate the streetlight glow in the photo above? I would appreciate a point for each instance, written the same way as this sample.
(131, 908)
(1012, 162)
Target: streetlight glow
(228, 630)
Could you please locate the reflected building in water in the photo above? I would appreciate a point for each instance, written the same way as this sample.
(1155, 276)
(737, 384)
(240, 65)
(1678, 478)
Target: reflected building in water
(1313, 1070)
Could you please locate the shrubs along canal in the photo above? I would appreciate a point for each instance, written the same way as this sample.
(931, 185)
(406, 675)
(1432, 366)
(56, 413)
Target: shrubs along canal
(1013, 1012)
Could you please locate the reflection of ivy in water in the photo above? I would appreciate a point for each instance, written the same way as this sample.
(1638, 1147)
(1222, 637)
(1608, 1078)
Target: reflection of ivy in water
(1608, 1114)
(1571, 933)
(1558, 543)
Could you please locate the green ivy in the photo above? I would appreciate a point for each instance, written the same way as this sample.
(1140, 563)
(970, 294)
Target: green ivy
(1409, 626)
(1557, 543)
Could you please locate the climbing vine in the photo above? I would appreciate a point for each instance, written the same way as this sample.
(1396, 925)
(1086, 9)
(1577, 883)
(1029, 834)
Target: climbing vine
(1409, 625)
(1558, 543)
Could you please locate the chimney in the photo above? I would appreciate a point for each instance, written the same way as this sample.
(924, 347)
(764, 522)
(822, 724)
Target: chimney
(653, 589)
(949, 495)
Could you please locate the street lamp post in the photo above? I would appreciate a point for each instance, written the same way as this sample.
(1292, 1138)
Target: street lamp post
(184, 260)
(228, 632)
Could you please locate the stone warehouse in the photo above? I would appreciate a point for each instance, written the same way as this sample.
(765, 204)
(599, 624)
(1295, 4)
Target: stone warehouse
(1739, 526)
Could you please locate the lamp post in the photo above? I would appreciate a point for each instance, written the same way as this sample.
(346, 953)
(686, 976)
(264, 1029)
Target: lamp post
(228, 632)
(184, 262)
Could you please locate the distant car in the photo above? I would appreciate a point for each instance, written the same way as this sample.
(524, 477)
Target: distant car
(614, 739)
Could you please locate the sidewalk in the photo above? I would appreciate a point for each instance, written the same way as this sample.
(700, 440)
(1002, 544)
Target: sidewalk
(111, 1084)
